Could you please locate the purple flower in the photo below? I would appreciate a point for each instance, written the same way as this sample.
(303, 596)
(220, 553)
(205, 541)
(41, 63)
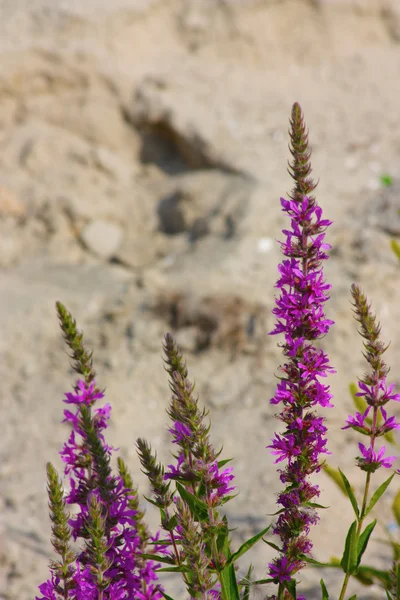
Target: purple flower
(280, 570)
(374, 390)
(86, 456)
(180, 432)
(83, 394)
(371, 461)
(300, 317)
(378, 394)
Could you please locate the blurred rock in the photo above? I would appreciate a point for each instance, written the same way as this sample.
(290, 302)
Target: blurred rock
(204, 202)
(179, 138)
(102, 238)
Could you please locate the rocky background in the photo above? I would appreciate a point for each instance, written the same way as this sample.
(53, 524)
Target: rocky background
(143, 149)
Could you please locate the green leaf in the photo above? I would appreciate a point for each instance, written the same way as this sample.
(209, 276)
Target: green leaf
(229, 586)
(389, 437)
(162, 559)
(153, 502)
(171, 524)
(396, 248)
(368, 575)
(223, 540)
(381, 490)
(358, 401)
(396, 551)
(315, 505)
(349, 558)
(198, 508)
(325, 595)
(397, 575)
(363, 540)
(222, 463)
(247, 584)
(290, 586)
(318, 564)
(247, 545)
(180, 569)
(274, 546)
(350, 494)
(164, 594)
(335, 476)
(354, 597)
(262, 581)
(226, 499)
(396, 507)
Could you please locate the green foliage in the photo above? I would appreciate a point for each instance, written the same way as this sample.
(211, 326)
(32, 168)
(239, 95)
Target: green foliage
(386, 180)
(396, 248)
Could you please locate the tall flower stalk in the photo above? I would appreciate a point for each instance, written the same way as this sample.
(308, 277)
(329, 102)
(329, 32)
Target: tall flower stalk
(373, 423)
(197, 541)
(301, 319)
(107, 520)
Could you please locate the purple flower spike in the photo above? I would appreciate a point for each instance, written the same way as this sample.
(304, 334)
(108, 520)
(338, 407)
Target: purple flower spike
(371, 461)
(301, 319)
(90, 478)
(374, 390)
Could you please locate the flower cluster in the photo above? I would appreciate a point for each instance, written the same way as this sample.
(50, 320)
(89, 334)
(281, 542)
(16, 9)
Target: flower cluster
(100, 497)
(374, 391)
(300, 317)
(190, 517)
(106, 516)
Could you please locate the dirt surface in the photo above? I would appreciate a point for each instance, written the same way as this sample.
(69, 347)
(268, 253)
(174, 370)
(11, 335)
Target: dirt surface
(143, 149)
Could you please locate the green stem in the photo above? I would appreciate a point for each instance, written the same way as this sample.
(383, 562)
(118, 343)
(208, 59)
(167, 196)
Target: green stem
(359, 528)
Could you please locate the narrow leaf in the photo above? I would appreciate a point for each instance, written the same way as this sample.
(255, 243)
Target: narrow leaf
(389, 437)
(359, 402)
(198, 508)
(354, 597)
(222, 463)
(363, 540)
(350, 494)
(349, 559)
(397, 574)
(164, 594)
(229, 586)
(369, 575)
(335, 476)
(396, 507)
(396, 248)
(381, 490)
(180, 569)
(274, 546)
(316, 563)
(247, 545)
(316, 505)
(325, 595)
(159, 558)
(247, 583)
(262, 581)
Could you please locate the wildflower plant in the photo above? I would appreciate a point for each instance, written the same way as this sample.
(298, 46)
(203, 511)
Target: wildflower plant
(107, 519)
(103, 546)
(196, 541)
(301, 319)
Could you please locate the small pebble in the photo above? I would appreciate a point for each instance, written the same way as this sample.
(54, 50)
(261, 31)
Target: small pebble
(102, 238)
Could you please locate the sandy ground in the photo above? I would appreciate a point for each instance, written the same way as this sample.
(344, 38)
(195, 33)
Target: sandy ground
(143, 149)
